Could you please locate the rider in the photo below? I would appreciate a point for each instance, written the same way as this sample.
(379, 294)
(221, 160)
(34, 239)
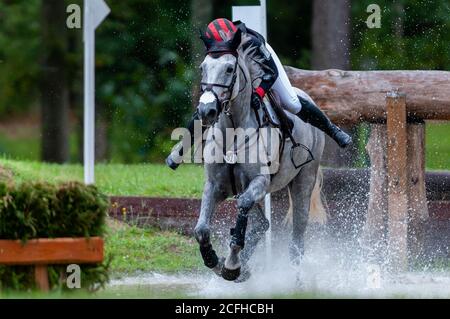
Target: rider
(275, 79)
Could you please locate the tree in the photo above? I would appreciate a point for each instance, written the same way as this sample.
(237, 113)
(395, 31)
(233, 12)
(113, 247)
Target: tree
(201, 14)
(53, 87)
(330, 33)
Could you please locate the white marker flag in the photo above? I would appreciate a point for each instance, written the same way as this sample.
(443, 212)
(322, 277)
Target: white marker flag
(95, 11)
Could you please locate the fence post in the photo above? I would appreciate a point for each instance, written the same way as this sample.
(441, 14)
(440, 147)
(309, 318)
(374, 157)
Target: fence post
(41, 277)
(417, 198)
(374, 232)
(397, 169)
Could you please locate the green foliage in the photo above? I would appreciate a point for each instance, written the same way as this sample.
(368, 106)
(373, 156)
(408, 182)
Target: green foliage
(416, 38)
(19, 51)
(43, 210)
(144, 74)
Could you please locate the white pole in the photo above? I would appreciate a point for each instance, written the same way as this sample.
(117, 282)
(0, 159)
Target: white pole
(267, 199)
(263, 19)
(255, 17)
(89, 95)
(95, 11)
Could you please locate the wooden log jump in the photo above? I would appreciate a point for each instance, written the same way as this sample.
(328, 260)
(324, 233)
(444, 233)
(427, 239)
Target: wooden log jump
(401, 100)
(44, 252)
(359, 96)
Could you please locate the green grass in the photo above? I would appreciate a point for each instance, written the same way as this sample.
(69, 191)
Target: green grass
(117, 179)
(438, 146)
(136, 249)
(25, 148)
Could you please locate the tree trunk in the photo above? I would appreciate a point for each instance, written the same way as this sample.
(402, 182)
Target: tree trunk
(101, 134)
(201, 15)
(331, 35)
(331, 50)
(54, 88)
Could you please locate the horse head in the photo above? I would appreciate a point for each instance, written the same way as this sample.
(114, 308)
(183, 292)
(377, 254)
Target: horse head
(218, 86)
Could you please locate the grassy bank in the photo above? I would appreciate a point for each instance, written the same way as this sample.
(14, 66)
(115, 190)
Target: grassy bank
(437, 143)
(135, 249)
(117, 179)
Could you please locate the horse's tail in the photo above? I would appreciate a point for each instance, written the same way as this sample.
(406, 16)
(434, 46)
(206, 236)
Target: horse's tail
(317, 211)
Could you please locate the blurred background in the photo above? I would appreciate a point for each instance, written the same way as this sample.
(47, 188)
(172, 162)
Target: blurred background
(146, 69)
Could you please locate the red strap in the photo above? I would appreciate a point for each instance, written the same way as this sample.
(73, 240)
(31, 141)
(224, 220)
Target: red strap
(260, 91)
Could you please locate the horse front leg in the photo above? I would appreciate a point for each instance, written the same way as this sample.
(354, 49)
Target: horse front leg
(212, 195)
(253, 194)
(258, 226)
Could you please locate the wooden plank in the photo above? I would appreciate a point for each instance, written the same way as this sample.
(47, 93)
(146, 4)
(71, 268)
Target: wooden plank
(397, 164)
(356, 96)
(41, 277)
(51, 251)
(417, 197)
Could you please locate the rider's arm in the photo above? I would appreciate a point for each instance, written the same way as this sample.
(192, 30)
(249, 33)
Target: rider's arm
(263, 57)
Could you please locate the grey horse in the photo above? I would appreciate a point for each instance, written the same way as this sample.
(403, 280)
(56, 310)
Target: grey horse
(225, 103)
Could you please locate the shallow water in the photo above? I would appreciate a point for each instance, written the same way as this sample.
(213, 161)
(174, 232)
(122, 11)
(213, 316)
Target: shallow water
(410, 285)
(330, 268)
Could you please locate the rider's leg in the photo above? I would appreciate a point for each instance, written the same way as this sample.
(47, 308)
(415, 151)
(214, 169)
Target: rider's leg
(304, 108)
(175, 157)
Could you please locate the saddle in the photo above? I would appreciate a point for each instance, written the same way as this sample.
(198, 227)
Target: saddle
(273, 114)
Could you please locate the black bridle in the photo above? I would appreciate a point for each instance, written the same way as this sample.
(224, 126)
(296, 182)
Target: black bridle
(222, 105)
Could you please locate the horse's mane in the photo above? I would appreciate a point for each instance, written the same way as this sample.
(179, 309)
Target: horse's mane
(250, 59)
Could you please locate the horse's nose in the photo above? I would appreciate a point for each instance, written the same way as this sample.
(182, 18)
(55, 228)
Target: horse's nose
(211, 114)
(207, 112)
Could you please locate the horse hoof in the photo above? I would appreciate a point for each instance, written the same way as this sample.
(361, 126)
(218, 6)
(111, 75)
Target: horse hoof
(219, 267)
(231, 274)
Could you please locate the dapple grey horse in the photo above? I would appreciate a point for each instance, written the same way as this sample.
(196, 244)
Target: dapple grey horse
(225, 103)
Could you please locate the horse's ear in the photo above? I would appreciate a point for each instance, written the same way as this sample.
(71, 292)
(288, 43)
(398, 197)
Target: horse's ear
(207, 41)
(236, 40)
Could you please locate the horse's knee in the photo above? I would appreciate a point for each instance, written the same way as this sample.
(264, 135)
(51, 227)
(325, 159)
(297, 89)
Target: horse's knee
(245, 203)
(202, 234)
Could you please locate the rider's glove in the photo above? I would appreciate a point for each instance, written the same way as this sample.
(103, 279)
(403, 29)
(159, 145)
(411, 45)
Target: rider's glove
(257, 97)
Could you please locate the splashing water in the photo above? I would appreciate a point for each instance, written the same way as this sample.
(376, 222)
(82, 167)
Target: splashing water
(329, 268)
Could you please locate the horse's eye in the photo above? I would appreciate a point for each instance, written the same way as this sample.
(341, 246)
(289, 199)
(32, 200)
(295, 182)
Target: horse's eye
(229, 69)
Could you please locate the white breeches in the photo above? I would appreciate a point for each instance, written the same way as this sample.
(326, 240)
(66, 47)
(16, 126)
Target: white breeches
(283, 87)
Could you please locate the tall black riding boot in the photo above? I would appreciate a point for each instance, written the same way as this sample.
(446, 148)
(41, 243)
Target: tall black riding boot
(311, 114)
(174, 159)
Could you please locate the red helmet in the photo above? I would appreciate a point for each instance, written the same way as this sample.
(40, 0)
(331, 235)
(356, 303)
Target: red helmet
(221, 36)
(221, 30)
